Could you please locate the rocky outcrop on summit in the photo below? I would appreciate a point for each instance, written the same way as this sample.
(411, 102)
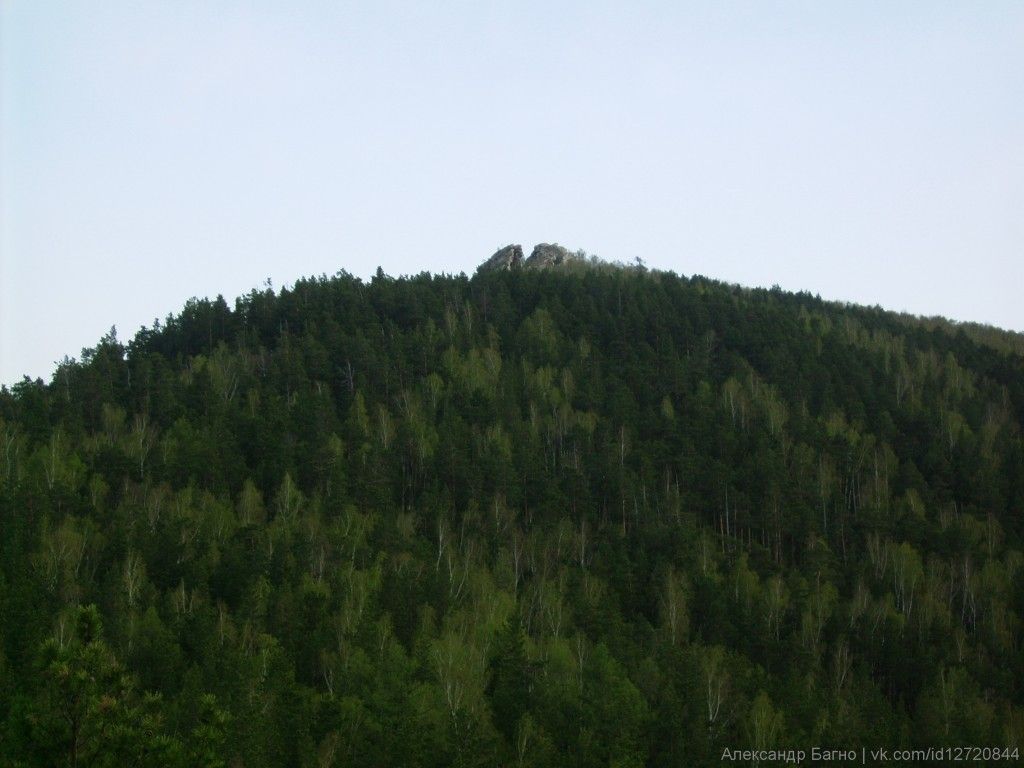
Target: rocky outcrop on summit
(509, 257)
(544, 255)
(548, 255)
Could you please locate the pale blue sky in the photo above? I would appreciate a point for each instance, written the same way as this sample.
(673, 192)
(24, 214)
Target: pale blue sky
(153, 151)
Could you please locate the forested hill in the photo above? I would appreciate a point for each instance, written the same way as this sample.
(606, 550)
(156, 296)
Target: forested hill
(581, 516)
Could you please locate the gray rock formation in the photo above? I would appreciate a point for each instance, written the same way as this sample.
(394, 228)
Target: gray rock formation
(548, 255)
(509, 257)
(544, 255)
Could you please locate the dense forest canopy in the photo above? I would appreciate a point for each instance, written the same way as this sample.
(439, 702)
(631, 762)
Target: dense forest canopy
(583, 516)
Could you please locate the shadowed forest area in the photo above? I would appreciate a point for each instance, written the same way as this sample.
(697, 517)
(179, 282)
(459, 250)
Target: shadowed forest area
(585, 516)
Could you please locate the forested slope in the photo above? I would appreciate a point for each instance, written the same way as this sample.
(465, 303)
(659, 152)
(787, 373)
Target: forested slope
(583, 516)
